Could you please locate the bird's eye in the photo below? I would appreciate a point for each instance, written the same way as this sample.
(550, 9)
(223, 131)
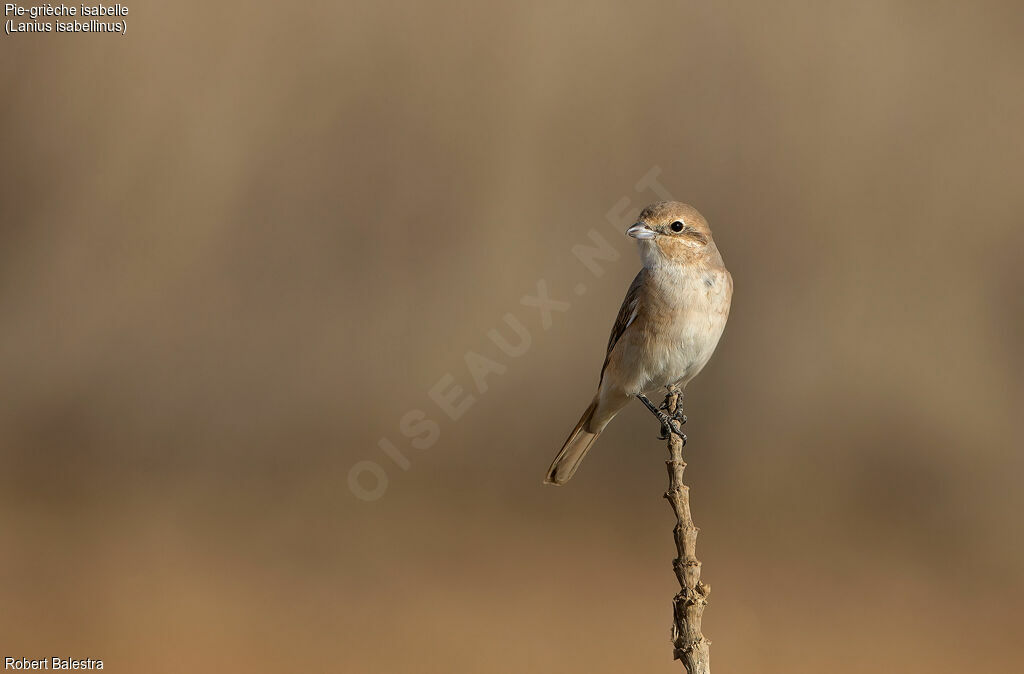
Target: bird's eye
(677, 226)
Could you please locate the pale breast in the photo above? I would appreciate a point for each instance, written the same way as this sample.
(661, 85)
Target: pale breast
(685, 315)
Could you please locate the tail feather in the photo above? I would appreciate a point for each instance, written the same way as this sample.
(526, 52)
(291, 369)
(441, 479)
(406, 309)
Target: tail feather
(575, 448)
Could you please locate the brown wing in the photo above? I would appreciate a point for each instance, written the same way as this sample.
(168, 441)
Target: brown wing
(627, 314)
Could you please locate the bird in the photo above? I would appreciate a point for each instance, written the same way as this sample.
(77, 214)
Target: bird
(668, 326)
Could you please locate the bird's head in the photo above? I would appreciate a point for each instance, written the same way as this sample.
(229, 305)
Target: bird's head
(672, 231)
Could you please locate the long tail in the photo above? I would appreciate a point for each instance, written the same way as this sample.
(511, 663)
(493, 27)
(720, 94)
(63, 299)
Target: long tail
(575, 448)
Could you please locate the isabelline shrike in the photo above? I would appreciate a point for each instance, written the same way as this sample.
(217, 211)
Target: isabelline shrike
(669, 324)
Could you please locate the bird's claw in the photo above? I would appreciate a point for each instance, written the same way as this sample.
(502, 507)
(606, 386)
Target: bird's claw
(668, 429)
(670, 423)
(677, 415)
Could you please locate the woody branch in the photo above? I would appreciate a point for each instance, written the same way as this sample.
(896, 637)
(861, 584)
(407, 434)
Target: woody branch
(689, 644)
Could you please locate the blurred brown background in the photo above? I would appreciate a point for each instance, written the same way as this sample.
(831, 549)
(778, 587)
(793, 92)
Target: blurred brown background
(241, 242)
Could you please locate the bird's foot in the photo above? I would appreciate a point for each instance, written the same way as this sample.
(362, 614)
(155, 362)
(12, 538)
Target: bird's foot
(670, 423)
(677, 415)
(672, 427)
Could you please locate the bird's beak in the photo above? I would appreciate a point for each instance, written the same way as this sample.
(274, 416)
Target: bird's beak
(640, 231)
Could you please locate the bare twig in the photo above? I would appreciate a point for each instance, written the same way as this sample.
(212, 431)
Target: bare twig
(689, 644)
